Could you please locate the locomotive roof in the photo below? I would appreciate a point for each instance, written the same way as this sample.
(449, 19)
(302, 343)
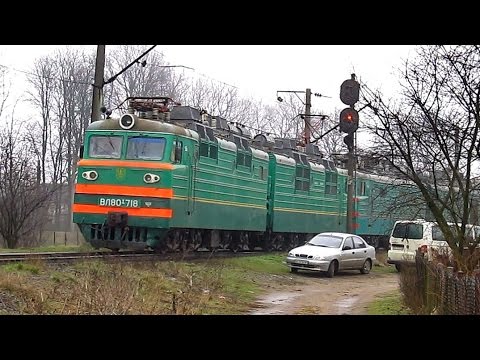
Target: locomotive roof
(143, 125)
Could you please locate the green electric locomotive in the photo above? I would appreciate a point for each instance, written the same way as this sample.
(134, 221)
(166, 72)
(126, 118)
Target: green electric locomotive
(173, 178)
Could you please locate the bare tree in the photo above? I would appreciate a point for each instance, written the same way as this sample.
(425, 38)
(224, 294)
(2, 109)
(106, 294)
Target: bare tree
(42, 81)
(430, 136)
(287, 122)
(330, 141)
(152, 76)
(22, 198)
(4, 89)
(61, 91)
(217, 98)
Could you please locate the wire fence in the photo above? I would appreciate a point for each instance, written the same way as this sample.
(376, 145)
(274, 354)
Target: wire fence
(445, 291)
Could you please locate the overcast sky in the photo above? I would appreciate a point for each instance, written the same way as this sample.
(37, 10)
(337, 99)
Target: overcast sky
(260, 70)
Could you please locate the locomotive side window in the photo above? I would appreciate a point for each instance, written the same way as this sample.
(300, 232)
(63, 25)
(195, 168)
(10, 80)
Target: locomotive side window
(109, 147)
(209, 150)
(302, 177)
(214, 151)
(203, 149)
(177, 150)
(331, 179)
(363, 188)
(262, 172)
(145, 148)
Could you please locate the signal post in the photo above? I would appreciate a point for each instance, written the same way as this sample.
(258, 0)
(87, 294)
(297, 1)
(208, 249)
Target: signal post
(349, 94)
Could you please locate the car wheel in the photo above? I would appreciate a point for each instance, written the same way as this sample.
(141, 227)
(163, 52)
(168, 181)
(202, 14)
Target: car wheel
(367, 266)
(397, 266)
(293, 270)
(332, 269)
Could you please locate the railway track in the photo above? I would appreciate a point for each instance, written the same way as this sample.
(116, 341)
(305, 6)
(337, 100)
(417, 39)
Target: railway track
(69, 257)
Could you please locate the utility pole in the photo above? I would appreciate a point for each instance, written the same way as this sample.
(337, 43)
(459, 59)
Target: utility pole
(98, 84)
(308, 105)
(350, 191)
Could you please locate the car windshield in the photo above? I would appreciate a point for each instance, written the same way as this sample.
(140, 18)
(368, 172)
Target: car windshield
(326, 241)
(145, 148)
(109, 147)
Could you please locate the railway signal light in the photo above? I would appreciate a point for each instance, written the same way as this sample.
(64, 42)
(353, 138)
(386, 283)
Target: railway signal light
(348, 120)
(350, 91)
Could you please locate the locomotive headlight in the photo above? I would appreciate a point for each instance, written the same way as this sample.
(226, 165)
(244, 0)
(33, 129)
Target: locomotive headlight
(127, 121)
(90, 175)
(151, 178)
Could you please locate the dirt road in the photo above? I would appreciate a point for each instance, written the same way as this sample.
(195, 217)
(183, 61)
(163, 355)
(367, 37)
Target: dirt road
(346, 293)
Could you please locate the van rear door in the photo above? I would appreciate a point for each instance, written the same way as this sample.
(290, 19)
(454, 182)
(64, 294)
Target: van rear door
(406, 237)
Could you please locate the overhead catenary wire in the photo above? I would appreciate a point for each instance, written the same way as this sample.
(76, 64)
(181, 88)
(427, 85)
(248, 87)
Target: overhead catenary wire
(128, 66)
(198, 73)
(46, 77)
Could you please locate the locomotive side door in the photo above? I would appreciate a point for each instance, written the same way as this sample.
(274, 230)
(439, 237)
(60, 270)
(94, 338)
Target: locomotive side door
(192, 171)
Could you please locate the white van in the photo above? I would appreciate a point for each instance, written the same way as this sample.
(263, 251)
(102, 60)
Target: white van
(408, 236)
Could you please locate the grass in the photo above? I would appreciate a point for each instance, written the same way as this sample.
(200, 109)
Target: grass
(388, 304)
(384, 269)
(380, 264)
(20, 266)
(272, 264)
(218, 286)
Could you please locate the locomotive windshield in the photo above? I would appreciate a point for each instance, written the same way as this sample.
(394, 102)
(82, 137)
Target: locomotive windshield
(145, 148)
(105, 147)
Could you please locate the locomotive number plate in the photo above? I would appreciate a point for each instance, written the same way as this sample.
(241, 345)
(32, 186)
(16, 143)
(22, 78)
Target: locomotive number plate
(118, 202)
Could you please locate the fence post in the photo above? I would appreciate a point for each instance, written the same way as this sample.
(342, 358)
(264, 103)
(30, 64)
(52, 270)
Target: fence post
(421, 279)
(443, 289)
(477, 292)
(54, 238)
(461, 293)
(451, 291)
(470, 290)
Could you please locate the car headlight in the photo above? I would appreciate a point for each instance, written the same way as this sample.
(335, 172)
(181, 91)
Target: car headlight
(319, 258)
(291, 254)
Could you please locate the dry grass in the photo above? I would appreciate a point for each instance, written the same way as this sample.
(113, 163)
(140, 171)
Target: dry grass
(419, 288)
(114, 288)
(226, 286)
(411, 288)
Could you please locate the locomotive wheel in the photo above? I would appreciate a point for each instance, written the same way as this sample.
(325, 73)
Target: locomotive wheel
(196, 240)
(267, 244)
(277, 243)
(172, 241)
(236, 243)
(235, 246)
(226, 240)
(161, 248)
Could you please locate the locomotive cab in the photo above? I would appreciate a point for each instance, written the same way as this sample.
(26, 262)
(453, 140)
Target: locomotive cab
(124, 184)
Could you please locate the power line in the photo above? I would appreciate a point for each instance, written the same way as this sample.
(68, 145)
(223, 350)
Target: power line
(45, 77)
(128, 66)
(201, 74)
(172, 66)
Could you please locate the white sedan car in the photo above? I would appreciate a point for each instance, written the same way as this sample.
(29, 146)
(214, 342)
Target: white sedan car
(331, 252)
